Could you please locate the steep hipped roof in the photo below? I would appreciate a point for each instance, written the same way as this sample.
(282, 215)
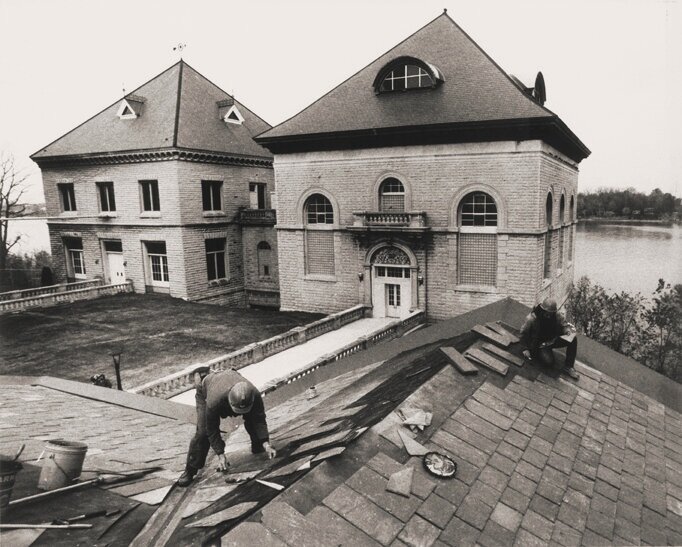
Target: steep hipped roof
(179, 111)
(475, 93)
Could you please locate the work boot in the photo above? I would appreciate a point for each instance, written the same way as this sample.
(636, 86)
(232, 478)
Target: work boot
(571, 372)
(186, 478)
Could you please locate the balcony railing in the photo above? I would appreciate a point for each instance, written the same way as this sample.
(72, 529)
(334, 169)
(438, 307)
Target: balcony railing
(386, 220)
(258, 217)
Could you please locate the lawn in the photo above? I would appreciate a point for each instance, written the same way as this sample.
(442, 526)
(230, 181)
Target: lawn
(156, 335)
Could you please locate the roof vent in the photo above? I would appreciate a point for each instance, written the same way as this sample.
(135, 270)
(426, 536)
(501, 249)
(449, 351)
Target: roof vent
(539, 91)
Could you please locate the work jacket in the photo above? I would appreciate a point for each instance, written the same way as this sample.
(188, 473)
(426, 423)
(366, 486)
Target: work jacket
(538, 328)
(215, 389)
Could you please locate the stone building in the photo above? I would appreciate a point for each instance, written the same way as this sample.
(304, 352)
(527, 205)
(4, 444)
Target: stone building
(167, 188)
(430, 179)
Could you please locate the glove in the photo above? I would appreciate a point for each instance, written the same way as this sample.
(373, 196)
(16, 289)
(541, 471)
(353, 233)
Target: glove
(526, 354)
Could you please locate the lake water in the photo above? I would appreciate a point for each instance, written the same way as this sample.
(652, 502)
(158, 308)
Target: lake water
(618, 257)
(628, 258)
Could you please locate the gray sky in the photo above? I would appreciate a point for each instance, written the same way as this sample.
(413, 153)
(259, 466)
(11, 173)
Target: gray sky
(613, 68)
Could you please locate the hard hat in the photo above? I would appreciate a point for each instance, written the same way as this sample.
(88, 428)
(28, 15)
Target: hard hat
(549, 305)
(241, 397)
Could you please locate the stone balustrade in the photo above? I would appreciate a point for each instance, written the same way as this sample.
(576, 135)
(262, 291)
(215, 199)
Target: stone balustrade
(65, 296)
(390, 220)
(50, 289)
(182, 381)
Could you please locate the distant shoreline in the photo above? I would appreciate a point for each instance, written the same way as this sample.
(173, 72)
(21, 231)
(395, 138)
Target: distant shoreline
(628, 221)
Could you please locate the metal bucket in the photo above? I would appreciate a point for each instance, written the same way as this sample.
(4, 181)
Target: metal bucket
(8, 472)
(63, 464)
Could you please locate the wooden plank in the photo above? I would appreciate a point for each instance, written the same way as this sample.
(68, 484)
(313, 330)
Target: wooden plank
(491, 335)
(487, 360)
(459, 361)
(513, 359)
(499, 329)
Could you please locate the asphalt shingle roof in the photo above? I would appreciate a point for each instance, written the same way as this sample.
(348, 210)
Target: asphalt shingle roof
(180, 111)
(475, 89)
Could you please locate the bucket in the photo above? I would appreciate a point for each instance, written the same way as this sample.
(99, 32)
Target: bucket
(8, 472)
(63, 464)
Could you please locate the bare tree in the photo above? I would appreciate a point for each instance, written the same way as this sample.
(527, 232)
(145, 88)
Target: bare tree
(12, 188)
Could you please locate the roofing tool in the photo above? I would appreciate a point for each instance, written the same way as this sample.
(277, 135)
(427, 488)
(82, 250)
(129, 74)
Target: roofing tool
(46, 525)
(99, 480)
(117, 519)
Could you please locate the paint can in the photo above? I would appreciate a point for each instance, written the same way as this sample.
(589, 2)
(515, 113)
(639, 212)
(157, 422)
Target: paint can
(8, 473)
(63, 464)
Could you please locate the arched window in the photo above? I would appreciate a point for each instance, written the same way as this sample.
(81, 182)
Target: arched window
(548, 238)
(477, 245)
(407, 73)
(319, 239)
(392, 195)
(562, 231)
(319, 210)
(478, 209)
(264, 252)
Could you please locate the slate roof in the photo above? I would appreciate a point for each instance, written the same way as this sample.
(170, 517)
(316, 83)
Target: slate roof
(180, 111)
(541, 459)
(475, 91)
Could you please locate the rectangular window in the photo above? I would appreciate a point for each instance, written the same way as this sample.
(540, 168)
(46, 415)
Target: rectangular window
(257, 195)
(67, 196)
(320, 252)
(150, 195)
(562, 234)
(477, 259)
(107, 203)
(548, 255)
(75, 258)
(211, 191)
(215, 258)
(158, 262)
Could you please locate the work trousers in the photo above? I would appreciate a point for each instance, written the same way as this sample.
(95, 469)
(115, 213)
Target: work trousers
(546, 355)
(199, 445)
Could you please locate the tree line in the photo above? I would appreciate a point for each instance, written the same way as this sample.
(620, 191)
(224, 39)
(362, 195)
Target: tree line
(628, 203)
(648, 330)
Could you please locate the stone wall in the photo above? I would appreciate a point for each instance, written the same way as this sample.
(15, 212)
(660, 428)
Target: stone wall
(436, 178)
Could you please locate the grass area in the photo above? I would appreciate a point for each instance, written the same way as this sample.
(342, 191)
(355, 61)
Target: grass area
(157, 335)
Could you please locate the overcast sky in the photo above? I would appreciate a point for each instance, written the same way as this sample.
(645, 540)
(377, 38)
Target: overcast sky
(613, 69)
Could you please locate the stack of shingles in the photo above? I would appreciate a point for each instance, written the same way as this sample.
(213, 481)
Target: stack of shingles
(489, 354)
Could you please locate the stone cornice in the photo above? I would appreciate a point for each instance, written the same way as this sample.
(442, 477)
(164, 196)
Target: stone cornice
(141, 156)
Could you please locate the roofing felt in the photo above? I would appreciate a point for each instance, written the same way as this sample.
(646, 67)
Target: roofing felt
(475, 89)
(180, 110)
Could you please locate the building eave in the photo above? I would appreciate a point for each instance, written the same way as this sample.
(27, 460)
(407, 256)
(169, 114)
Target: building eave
(549, 129)
(159, 154)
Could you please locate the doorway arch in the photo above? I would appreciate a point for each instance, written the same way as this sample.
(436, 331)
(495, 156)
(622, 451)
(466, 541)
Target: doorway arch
(392, 270)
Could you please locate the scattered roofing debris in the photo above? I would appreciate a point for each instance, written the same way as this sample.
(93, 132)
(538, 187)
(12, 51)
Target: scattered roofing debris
(507, 356)
(499, 329)
(412, 447)
(230, 513)
(400, 482)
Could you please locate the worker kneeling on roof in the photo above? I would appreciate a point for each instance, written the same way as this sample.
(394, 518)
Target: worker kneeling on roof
(219, 395)
(545, 329)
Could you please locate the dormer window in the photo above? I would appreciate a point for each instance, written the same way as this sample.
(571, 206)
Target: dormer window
(130, 108)
(406, 73)
(233, 116)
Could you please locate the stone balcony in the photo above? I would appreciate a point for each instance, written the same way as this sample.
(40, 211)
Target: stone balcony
(258, 217)
(403, 221)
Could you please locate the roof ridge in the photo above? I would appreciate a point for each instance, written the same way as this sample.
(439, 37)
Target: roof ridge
(357, 72)
(497, 66)
(228, 94)
(105, 109)
(177, 104)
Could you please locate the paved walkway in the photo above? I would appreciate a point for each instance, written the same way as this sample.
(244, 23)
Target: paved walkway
(299, 357)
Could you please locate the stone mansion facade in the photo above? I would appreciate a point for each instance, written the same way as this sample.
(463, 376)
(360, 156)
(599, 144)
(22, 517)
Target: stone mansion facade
(430, 180)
